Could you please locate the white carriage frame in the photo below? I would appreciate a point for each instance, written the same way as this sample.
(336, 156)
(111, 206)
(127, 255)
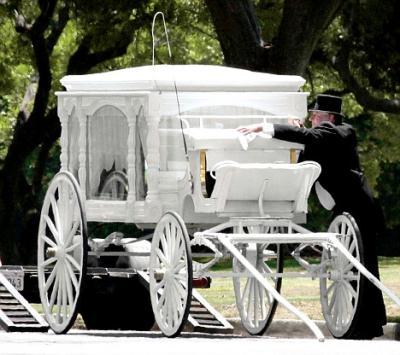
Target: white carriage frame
(161, 198)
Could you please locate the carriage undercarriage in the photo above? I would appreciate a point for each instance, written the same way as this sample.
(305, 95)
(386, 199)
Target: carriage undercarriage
(253, 244)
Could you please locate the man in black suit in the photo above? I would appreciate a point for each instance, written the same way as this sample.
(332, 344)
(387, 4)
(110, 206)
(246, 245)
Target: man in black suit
(341, 187)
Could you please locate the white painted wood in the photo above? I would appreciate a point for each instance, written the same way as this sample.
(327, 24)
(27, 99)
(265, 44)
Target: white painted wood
(187, 78)
(82, 171)
(61, 244)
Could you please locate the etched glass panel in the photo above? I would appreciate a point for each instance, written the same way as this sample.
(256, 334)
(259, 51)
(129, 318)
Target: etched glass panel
(107, 154)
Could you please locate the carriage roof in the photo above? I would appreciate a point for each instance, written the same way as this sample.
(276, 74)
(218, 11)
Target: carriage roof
(185, 77)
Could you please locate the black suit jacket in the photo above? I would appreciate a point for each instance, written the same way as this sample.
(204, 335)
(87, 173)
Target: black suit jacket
(334, 147)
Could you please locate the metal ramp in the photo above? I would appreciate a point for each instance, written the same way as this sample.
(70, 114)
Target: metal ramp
(202, 316)
(16, 314)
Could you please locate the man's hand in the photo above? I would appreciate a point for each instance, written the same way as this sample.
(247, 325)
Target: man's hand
(254, 128)
(295, 122)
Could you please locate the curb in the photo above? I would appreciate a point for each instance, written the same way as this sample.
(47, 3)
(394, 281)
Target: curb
(293, 328)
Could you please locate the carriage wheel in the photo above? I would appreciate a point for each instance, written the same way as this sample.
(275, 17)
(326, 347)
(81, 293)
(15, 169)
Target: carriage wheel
(255, 304)
(170, 274)
(62, 251)
(341, 290)
(115, 186)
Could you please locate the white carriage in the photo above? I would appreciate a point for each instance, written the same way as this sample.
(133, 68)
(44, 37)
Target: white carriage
(138, 146)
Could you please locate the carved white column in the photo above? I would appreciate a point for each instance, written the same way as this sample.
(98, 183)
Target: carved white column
(133, 106)
(63, 115)
(83, 118)
(153, 166)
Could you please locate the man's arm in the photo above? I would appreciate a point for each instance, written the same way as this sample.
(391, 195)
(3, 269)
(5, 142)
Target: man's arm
(303, 135)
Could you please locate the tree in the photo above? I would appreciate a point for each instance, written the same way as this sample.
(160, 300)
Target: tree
(333, 43)
(40, 28)
(45, 40)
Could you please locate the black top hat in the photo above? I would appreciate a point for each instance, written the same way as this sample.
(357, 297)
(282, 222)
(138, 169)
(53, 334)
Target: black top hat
(328, 103)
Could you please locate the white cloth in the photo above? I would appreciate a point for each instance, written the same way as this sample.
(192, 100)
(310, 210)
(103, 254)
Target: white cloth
(268, 128)
(245, 139)
(324, 197)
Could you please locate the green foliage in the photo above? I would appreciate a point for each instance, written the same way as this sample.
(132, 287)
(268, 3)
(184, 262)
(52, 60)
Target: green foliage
(371, 27)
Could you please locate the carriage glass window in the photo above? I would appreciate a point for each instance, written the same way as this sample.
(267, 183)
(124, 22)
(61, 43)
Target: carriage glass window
(107, 154)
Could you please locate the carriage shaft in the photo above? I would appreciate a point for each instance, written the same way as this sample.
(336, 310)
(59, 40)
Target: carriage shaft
(276, 238)
(225, 241)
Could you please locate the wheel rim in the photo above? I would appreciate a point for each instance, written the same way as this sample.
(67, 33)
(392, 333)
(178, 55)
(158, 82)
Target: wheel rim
(255, 304)
(170, 274)
(62, 252)
(340, 290)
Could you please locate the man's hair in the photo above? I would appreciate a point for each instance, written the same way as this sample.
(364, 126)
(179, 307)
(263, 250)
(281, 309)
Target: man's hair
(338, 118)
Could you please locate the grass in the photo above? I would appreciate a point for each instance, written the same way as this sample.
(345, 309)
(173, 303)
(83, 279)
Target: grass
(303, 293)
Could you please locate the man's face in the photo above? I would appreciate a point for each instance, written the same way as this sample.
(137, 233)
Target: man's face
(317, 117)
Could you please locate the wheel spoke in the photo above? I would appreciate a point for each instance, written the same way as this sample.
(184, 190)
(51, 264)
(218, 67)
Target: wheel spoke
(56, 213)
(160, 285)
(64, 295)
(181, 277)
(162, 257)
(178, 250)
(73, 262)
(330, 288)
(48, 241)
(161, 300)
(180, 297)
(164, 245)
(351, 290)
(246, 289)
(256, 300)
(72, 232)
(352, 246)
(69, 291)
(333, 299)
(72, 276)
(53, 229)
(51, 278)
(48, 262)
(335, 311)
(73, 247)
(249, 303)
(180, 289)
(54, 292)
(59, 300)
(179, 267)
(263, 308)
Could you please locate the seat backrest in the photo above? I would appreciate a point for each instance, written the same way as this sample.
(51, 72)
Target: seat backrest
(265, 182)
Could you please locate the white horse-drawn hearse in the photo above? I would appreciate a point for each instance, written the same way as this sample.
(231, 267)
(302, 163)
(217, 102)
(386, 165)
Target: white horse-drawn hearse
(139, 146)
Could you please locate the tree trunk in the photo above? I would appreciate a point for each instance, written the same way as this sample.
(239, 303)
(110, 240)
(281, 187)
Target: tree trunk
(303, 23)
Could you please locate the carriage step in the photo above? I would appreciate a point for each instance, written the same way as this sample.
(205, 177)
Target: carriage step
(202, 316)
(16, 314)
(205, 318)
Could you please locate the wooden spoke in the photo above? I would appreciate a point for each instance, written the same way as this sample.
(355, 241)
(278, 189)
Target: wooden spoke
(48, 262)
(53, 229)
(48, 241)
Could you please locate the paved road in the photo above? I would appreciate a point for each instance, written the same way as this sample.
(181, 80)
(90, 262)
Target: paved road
(116, 343)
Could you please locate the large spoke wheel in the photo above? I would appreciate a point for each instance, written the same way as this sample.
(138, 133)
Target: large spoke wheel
(115, 186)
(255, 304)
(62, 251)
(170, 274)
(341, 290)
